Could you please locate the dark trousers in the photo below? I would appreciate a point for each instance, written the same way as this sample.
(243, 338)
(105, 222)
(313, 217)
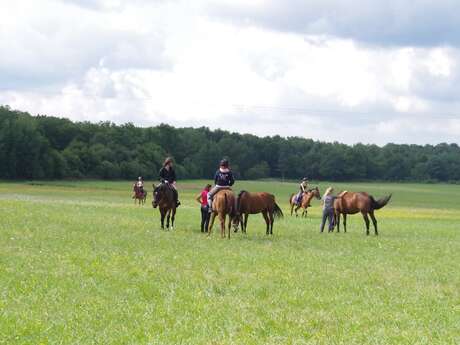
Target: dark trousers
(329, 215)
(205, 215)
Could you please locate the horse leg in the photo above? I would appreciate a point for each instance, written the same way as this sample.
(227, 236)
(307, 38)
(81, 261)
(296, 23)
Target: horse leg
(297, 207)
(222, 225)
(272, 220)
(292, 208)
(366, 220)
(213, 217)
(267, 221)
(246, 216)
(173, 216)
(374, 222)
(168, 219)
(344, 222)
(229, 225)
(337, 220)
(162, 213)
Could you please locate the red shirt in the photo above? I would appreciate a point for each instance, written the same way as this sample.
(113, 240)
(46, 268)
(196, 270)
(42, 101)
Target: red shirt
(204, 198)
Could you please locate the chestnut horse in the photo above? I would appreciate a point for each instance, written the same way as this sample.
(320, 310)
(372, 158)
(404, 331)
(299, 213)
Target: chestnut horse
(253, 203)
(305, 202)
(163, 197)
(223, 204)
(352, 203)
(139, 195)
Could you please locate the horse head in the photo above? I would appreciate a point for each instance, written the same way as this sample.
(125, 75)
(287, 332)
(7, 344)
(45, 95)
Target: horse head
(316, 193)
(157, 195)
(162, 193)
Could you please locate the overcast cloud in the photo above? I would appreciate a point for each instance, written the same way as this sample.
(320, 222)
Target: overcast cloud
(351, 71)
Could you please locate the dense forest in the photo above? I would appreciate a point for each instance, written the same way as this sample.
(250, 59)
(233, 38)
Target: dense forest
(44, 147)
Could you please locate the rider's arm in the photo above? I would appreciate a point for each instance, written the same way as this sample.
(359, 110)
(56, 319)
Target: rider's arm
(162, 175)
(198, 198)
(302, 186)
(232, 180)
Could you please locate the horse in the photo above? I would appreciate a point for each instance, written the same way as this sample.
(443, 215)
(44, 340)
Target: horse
(139, 195)
(253, 203)
(305, 202)
(163, 197)
(354, 202)
(223, 204)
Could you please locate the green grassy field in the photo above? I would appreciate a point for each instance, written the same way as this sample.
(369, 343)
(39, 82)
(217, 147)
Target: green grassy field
(80, 264)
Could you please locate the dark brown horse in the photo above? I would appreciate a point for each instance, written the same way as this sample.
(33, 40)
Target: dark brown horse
(140, 195)
(163, 197)
(223, 204)
(305, 202)
(352, 203)
(253, 203)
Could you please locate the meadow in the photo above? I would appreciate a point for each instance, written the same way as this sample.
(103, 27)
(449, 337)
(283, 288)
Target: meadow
(80, 264)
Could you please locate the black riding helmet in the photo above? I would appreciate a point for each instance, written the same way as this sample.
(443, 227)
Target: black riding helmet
(224, 163)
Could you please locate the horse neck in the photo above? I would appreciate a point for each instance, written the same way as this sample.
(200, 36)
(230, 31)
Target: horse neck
(167, 198)
(308, 197)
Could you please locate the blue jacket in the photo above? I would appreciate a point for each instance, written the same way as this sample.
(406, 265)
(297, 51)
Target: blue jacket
(224, 178)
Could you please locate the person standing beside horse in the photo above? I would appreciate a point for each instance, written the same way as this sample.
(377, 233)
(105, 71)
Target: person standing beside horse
(328, 209)
(168, 177)
(223, 179)
(202, 198)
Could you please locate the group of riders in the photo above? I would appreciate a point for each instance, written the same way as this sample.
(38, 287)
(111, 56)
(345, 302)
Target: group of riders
(224, 179)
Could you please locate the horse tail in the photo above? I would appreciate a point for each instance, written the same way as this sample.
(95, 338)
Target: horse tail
(238, 198)
(277, 211)
(378, 204)
(290, 198)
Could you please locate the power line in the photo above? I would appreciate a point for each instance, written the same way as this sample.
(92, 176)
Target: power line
(245, 108)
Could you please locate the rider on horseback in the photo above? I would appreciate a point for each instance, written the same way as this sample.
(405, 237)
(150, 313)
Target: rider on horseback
(168, 177)
(138, 186)
(223, 179)
(303, 189)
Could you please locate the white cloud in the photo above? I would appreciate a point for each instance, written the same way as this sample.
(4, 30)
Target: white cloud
(171, 61)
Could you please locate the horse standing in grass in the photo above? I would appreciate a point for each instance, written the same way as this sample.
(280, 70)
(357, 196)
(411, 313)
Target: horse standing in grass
(223, 204)
(163, 198)
(352, 203)
(305, 202)
(253, 203)
(140, 195)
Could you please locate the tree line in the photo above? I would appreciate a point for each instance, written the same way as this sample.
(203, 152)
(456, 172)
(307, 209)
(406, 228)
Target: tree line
(45, 147)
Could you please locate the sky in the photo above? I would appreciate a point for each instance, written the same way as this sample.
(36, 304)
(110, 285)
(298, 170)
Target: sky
(369, 71)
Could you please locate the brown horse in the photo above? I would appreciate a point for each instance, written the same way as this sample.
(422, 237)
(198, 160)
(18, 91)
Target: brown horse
(223, 204)
(305, 202)
(163, 197)
(253, 203)
(140, 195)
(352, 203)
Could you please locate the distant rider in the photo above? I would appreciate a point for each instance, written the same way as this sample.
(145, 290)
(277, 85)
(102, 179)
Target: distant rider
(139, 185)
(223, 179)
(303, 189)
(168, 176)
